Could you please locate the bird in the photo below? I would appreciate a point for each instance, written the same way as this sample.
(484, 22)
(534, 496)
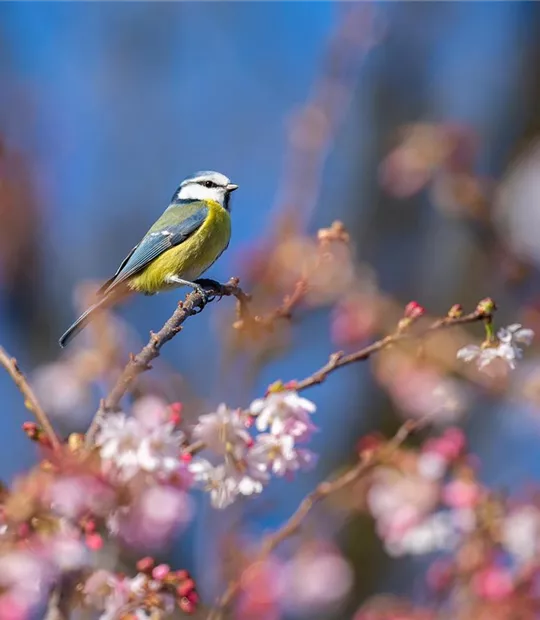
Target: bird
(191, 234)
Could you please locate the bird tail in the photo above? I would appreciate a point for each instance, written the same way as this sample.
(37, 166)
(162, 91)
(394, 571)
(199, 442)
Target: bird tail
(105, 302)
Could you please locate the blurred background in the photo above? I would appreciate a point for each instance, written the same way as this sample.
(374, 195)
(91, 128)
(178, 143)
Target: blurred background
(416, 124)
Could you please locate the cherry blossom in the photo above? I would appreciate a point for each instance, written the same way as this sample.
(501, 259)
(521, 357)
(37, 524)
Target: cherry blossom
(283, 412)
(223, 432)
(505, 348)
(279, 454)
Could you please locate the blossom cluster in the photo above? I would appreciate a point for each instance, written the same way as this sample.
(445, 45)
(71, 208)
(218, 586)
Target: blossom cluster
(155, 591)
(282, 420)
(239, 462)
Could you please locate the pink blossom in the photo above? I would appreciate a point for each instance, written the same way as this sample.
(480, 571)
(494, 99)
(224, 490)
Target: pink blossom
(12, 608)
(157, 514)
(493, 583)
(315, 580)
(450, 445)
(151, 412)
(461, 494)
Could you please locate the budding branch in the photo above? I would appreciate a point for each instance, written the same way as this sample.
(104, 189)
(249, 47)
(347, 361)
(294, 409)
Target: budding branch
(30, 400)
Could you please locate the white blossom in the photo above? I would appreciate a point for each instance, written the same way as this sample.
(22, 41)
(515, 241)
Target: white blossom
(435, 533)
(119, 438)
(127, 446)
(216, 481)
(432, 465)
(506, 347)
(227, 480)
(278, 455)
(284, 412)
(159, 449)
(223, 432)
(521, 533)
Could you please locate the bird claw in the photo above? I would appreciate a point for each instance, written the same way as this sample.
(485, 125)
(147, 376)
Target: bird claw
(208, 283)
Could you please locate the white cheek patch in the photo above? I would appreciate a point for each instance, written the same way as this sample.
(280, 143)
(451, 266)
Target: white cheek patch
(194, 191)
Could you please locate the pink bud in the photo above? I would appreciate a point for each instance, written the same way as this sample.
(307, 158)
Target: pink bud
(185, 588)
(186, 605)
(413, 310)
(493, 583)
(145, 565)
(161, 571)
(186, 457)
(94, 541)
(176, 413)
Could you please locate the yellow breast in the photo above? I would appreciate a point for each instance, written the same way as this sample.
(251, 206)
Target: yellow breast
(189, 259)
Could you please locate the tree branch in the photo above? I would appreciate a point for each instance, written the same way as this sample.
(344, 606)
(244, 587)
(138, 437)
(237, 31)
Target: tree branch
(321, 491)
(338, 360)
(193, 304)
(30, 400)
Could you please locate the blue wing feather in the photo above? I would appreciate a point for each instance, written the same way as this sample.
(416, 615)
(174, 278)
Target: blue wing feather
(158, 240)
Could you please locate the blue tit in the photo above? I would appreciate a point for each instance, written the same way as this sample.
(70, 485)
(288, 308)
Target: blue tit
(186, 240)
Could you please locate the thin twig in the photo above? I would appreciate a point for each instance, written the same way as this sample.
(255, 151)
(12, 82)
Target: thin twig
(321, 491)
(338, 360)
(193, 304)
(30, 400)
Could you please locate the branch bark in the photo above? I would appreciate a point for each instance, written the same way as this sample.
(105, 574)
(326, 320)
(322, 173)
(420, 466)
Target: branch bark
(30, 400)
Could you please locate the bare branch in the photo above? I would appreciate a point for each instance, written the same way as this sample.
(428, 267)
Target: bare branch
(30, 400)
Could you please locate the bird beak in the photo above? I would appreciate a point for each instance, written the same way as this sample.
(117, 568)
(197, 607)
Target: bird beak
(231, 187)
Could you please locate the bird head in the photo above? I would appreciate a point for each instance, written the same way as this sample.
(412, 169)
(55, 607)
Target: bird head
(207, 185)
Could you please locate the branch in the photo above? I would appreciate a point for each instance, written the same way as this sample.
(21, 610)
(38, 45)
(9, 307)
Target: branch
(193, 304)
(321, 491)
(338, 360)
(30, 400)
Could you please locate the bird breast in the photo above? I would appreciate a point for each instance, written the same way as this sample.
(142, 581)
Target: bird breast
(191, 258)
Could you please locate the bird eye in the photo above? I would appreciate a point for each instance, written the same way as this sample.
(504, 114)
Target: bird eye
(209, 184)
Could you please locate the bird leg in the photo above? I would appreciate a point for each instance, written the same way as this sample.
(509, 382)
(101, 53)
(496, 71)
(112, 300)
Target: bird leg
(194, 285)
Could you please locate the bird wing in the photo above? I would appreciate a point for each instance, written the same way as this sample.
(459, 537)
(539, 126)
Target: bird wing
(177, 223)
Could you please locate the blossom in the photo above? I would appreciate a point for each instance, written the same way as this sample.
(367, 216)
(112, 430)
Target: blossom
(461, 494)
(224, 482)
(314, 580)
(284, 412)
(119, 438)
(216, 481)
(73, 496)
(223, 431)
(505, 348)
(278, 454)
(493, 583)
(436, 532)
(160, 448)
(26, 576)
(112, 594)
(155, 516)
(127, 446)
(521, 533)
